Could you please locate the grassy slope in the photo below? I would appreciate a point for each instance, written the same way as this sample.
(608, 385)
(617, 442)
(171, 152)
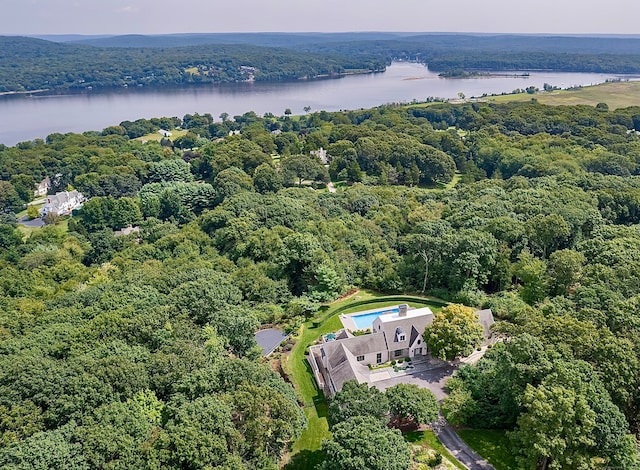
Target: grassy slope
(429, 440)
(27, 231)
(493, 445)
(306, 448)
(616, 95)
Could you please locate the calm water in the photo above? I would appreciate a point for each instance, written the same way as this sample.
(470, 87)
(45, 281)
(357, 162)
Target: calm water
(365, 320)
(28, 117)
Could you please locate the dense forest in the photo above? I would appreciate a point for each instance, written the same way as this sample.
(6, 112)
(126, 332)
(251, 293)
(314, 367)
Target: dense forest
(448, 52)
(135, 60)
(138, 351)
(34, 64)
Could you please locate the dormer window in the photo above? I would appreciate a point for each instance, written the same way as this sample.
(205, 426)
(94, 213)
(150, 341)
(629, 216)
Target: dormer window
(401, 337)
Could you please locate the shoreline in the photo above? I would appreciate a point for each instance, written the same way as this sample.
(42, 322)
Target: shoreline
(27, 92)
(107, 89)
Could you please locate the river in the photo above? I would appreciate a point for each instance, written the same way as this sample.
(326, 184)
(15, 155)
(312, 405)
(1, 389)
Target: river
(26, 117)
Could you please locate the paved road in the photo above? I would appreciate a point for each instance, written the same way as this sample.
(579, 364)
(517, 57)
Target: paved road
(461, 451)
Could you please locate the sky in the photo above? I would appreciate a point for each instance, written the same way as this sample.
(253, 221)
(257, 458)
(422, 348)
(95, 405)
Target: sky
(31, 17)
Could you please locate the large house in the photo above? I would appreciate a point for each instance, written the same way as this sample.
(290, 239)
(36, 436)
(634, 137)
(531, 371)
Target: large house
(395, 334)
(63, 203)
(42, 188)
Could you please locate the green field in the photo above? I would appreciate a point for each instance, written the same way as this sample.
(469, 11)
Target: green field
(493, 445)
(306, 449)
(615, 94)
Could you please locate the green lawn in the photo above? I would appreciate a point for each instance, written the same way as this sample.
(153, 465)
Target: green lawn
(27, 231)
(306, 448)
(493, 445)
(429, 440)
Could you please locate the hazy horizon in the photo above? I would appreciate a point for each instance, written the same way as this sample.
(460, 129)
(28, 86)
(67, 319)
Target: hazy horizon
(118, 17)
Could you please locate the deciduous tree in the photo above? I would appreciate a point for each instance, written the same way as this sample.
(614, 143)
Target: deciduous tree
(455, 332)
(363, 442)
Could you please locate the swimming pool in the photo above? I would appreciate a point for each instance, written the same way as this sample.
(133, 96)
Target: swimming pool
(365, 320)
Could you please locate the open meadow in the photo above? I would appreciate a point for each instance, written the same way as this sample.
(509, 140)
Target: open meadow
(614, 94)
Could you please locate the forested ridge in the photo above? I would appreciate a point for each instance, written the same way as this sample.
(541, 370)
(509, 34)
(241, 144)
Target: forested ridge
(34, 64)
(136, 60)
(138, 351)
(454, 52)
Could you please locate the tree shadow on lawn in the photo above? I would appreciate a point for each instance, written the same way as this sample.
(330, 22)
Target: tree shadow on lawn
(321, 405)
(305, 460)
(319, 401)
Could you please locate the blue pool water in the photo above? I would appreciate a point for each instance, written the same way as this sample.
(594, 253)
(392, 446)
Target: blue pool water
(365, 320)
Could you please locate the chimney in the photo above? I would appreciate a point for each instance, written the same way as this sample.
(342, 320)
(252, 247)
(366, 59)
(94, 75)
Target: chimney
(403, 310)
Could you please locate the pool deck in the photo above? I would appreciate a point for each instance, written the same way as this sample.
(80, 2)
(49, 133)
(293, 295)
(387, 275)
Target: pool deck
(349, 323)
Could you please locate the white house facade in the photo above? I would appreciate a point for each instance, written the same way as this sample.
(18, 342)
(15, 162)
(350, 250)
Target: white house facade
(42, 187)
(63, 203)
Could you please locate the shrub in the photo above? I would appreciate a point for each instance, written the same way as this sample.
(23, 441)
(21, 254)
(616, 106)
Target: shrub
(435, 460)
(393, 363)
(407, 359)
(33, 212)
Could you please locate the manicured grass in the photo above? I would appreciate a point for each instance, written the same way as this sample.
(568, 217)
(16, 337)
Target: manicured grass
(302, 376)
(430, 440)
(493, 445)
(616, 95)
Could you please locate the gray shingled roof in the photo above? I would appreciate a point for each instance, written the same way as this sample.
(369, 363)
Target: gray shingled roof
(350, 369)
(357, 345)
(407, 325)
(485, 318)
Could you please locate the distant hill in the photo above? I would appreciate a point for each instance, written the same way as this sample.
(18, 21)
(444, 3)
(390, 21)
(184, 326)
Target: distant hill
(447, 52)
(605, 44)
(289, 40)
(79, 62)
(33, 64)
(67, 37)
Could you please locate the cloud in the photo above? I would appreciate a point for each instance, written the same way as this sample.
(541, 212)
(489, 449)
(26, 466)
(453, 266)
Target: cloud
(128, 9)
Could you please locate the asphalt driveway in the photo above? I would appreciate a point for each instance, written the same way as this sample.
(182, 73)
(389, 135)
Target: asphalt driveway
(433, 379)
